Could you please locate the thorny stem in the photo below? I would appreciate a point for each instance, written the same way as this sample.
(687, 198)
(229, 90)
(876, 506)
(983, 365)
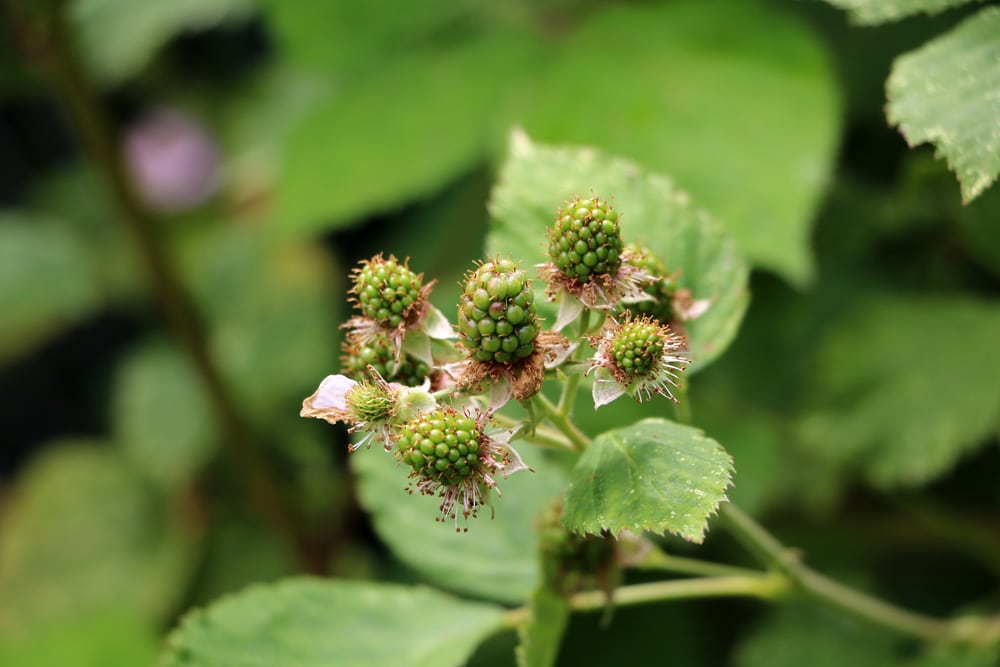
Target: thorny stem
(761, 586)
(54, 53)
(772, 553)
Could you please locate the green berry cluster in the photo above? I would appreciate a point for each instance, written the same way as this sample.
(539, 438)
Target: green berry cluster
(496, 313)
(377, 352)
(571, 561)
(586, 239)
(661, 288)
(637, 346)
(385, 290)
(370, 402)
(442, 446)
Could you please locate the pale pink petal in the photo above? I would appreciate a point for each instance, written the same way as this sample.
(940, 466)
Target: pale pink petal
(435, 324)
(569, 309)
(329, 401)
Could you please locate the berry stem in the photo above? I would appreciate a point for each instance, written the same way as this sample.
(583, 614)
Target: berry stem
(540, 436)
(657, 559)
(761, 586)
(568, 396)
(562, 422)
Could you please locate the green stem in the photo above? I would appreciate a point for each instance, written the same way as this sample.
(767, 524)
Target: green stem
(568, 396)
(771, 552)
(562, 422)
(764, 587)
(658, 559)
(542, 436)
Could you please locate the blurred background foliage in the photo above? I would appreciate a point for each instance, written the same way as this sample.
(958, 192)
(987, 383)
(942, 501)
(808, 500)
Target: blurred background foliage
(153, 461)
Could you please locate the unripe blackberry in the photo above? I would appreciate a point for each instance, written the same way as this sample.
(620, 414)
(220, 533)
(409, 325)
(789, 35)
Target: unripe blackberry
(661, 288)
(496, 313)
(637, 347)
(585, 239)
(386, 290)
(443, 447)
(377, 352)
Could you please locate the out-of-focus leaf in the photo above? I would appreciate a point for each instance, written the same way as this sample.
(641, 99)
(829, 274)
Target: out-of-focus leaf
(654, 475)
(75, 193)
(959, 657)
(273, 309)
(338, 37)
(735, 100)
(542, 631)
(46, 281)
(314, 623)
(119, 37)
(800, 635)
(257, 120)
(873, 12)
(161, 416)
(497, 559)
(107, 638)
(978, 225)
(397, 135)
(83, 532)
(238, 553)
(910, 386)
(537, 179)
(947, 93)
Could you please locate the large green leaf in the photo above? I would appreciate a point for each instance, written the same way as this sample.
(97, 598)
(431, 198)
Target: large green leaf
(399, 134)
(496, 559)
(541, 632)
(947, 93)
(537, 179)
(910, 386)
(119, 37)
(347, 35)
(161, 416)
(654, 475)
(873, 12)
(83, 532)
(315, 623)
(46, 281)
(734, 99)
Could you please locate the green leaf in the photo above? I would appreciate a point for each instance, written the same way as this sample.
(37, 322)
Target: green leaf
(806, 635)
(46, 281)
(107, 638)
(83, 532)
(654, 475)
(873, 12)
(735, 100)
(161, 415)
(959, 657)
(119, 37)
(272, 307)
(497, 559)
(315, 623)
(537, 179)
(909, 387)
(947, 93)
(339, 37)
(541, 632)
(980, 232)
(397, 135)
